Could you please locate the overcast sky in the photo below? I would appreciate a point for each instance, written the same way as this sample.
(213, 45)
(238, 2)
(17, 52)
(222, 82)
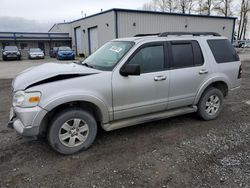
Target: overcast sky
(38, 15)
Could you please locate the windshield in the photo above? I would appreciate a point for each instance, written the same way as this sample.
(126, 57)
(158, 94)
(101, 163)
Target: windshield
(10, 48)
(106, 57)
(64, 49)
(35, 50)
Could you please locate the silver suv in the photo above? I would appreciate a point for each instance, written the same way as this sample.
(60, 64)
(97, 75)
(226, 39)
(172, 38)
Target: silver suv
(126, 82)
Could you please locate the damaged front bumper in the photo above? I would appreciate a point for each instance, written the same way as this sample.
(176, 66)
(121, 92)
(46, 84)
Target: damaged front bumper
(26, 121)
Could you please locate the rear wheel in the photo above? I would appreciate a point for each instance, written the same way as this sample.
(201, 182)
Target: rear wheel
(71, 131)
(210, 104)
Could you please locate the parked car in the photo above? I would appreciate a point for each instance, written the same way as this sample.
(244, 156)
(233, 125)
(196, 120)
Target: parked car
(64, 53)
(35, 53)
(126, 82)
(53, 52)
(11, 52)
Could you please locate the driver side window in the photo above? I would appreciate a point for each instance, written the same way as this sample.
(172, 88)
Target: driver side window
(150, 58)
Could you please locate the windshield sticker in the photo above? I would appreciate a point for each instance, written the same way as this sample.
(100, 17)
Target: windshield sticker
(116, 49)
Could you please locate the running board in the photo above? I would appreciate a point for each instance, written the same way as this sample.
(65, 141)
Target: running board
(148, 118)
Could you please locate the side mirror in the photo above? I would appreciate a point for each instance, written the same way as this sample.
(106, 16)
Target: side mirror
(130, 69)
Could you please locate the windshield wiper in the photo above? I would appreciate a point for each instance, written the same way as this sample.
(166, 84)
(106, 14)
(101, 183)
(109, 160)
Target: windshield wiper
(88, 65)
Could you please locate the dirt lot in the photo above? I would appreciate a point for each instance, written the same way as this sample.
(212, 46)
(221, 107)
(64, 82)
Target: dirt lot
(178, 152)
(9, 69)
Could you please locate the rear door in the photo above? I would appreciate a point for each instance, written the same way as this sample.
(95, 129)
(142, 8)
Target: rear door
(188, 70)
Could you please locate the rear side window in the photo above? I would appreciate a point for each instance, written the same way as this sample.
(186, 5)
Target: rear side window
(186, 54)
(223, 51)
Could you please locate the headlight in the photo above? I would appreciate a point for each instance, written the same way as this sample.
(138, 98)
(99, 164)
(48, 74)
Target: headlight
(23, 99)
(4, 53)
(18, 53)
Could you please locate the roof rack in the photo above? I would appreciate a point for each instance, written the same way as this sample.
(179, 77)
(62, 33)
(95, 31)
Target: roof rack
(144, 35)
(166, 34)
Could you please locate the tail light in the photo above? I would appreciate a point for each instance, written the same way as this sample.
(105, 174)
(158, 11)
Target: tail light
(240, 72)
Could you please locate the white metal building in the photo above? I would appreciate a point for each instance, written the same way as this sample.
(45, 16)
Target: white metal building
(91, 32)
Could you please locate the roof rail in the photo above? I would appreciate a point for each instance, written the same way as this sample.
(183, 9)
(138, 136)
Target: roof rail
(165, 34)
(144, 35)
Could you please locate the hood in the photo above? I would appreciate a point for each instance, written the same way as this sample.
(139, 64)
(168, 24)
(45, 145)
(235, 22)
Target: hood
(50, 72)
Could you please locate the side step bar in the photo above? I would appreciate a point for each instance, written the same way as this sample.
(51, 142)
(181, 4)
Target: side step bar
(148, 118)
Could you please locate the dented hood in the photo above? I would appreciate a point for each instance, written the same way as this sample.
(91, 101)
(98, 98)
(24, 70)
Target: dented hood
(48, 71)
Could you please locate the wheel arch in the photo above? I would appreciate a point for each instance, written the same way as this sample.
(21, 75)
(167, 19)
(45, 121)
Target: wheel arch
(100, 113)
(221, 84)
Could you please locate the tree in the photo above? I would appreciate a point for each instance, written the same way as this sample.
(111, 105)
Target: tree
(199, 8)
(244, 13)
(149, 6)
(208, 6)
(224, 7)
(183, 6)
(161, 5)
(186, 6)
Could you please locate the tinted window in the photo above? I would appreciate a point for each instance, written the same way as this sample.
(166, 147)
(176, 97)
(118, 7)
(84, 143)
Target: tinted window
(150, 59)
(186, 54)
(182, 55)
(198, 56)
(223, 51)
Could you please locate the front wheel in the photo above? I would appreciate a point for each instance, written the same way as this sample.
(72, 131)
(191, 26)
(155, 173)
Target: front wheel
(72, 130)
(210, 104)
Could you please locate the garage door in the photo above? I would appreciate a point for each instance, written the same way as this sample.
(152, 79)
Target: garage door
(78, 36)
(93, 40)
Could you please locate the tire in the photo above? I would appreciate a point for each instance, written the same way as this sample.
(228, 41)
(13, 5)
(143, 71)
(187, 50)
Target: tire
(210, 104)
(60, 139)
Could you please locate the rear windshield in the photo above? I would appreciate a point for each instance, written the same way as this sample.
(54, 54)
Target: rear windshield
(223, 51)
(13, 48)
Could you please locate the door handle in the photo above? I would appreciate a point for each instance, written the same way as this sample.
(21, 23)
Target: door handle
(160, 78)
(203, 71)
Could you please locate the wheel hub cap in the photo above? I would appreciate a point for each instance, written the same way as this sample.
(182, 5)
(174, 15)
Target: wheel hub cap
(74, 132)
(212, 104)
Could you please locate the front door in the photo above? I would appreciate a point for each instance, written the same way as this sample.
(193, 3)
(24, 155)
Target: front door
(146, 93)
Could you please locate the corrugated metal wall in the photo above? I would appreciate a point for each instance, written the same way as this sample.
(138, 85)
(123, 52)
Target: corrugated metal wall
(105, 27)
(131, 23)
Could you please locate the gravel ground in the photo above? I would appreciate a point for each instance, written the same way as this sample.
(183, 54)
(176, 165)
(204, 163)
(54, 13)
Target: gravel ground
(178, 152)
